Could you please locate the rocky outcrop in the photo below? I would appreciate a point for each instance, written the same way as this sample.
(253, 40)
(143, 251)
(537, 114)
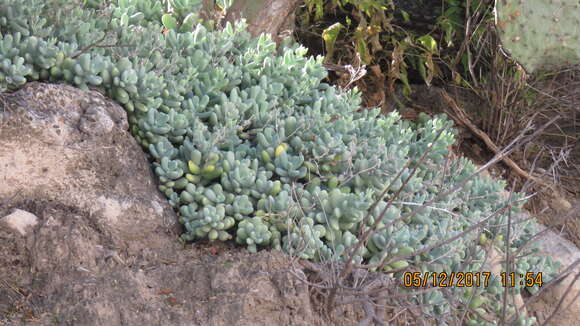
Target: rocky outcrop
(87, 239)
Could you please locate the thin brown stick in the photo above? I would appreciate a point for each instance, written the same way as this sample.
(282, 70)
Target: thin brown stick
(460, 116)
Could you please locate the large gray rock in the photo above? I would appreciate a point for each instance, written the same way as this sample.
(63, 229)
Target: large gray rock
(104, 249)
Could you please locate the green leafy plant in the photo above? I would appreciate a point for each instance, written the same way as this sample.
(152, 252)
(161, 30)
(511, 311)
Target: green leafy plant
(401, 39)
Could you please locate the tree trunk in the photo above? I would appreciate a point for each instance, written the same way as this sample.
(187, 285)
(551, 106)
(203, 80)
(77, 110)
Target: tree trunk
(275, 17)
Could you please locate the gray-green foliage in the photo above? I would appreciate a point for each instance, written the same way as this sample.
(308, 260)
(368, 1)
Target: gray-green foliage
(540, 34)
(249, 144)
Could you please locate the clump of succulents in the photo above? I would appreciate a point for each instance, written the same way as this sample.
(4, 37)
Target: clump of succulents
(249, 144)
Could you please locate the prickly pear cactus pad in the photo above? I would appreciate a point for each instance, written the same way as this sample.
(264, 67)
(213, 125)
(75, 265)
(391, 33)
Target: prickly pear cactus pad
(540, 34)
(249, 145)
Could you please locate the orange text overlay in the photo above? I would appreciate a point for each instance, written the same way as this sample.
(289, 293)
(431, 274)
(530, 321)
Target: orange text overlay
(459, 279)
(468, 279)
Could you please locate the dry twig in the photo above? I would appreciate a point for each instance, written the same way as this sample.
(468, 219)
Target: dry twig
(460, 116)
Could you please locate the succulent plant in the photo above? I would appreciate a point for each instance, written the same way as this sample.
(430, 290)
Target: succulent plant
(540, 34)
(253, 232)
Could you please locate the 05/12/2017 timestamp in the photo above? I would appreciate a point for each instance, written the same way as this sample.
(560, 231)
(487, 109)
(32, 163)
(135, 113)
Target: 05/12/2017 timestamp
(469, 279)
